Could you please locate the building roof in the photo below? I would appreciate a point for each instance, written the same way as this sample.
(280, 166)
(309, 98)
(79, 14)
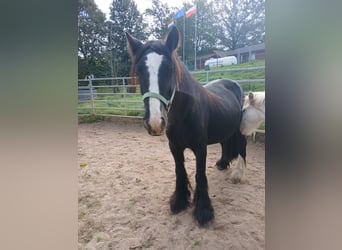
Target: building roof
(215, 53)
(220, 53)
(252, 48)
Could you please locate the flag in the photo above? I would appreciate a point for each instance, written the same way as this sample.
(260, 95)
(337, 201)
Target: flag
(178, 14)
(191, 12)
(170, 24)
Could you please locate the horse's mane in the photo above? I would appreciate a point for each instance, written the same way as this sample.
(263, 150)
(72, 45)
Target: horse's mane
(178, 68)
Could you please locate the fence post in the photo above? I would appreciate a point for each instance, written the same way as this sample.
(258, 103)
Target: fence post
(124, 95)
(91, 96)
(207, 73)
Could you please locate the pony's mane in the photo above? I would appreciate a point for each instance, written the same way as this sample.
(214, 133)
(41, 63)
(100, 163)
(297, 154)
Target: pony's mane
(156, 46)
(255, 99)
(178, 68)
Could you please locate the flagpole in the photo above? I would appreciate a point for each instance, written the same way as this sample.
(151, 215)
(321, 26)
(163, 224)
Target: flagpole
(183, 45)
(196, 36)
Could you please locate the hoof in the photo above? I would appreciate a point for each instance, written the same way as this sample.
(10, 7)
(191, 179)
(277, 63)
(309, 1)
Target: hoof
(204, 211)
(204, 215)
(177, 205)
(222, 165)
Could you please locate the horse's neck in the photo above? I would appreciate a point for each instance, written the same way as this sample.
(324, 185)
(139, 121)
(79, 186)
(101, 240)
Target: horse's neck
(188, 84)
(187, 95)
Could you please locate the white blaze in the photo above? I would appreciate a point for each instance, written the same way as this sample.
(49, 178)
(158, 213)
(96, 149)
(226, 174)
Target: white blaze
(153, 63)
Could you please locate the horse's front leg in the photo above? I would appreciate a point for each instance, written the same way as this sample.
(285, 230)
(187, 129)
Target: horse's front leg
(204, 211)
(180, 199)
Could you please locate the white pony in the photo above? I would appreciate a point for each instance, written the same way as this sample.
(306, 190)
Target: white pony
(253, 112)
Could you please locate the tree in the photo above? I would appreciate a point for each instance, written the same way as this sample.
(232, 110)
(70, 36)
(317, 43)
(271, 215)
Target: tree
(92, 44)
(161, 15)
(242, 22)
(206, 23)
(124, 16)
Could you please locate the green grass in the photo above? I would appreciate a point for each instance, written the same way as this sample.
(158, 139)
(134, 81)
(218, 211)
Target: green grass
(113, 105)
(237, 75)
(89, 119)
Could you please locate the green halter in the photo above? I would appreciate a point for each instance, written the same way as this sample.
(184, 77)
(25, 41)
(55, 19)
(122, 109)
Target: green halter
(160, 98)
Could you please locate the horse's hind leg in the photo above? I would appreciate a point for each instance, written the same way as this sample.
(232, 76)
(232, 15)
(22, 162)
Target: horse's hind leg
(240, 145)
(180, 199)
(223, 163)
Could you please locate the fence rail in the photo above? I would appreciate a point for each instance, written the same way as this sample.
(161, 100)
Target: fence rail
(116, 96)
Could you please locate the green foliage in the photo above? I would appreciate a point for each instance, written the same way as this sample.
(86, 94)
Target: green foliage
(241, 22)
(91, 40)
(161, 15)
(207, 39)
(124, 16)
(222, 25)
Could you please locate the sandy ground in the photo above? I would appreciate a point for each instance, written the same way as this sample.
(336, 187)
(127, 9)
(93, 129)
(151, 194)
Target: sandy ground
(127, 176)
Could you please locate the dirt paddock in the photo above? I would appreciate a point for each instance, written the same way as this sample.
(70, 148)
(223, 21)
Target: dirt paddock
(127, 176)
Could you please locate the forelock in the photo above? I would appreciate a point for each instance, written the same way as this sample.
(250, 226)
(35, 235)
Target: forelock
(152, 46)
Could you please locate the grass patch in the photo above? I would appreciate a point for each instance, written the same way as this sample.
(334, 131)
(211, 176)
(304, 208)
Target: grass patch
(262, 126)
(89, 118)
(201, 75)
(255, 86)
(128, 105)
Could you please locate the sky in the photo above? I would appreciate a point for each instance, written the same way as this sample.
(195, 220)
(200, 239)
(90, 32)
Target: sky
(142, 4)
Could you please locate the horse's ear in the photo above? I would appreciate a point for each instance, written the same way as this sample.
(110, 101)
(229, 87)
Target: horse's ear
(172, 39)
(133, 44)
(250, 96)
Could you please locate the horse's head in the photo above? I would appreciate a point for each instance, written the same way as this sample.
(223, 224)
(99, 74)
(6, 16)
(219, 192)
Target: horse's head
(253, 112)
(154, 64)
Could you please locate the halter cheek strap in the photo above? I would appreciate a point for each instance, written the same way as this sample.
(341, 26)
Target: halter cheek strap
(160, 98)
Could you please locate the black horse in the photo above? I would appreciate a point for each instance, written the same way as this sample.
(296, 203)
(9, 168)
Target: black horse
(194, 116)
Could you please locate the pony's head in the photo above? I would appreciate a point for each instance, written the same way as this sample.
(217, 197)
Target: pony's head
(155, 65)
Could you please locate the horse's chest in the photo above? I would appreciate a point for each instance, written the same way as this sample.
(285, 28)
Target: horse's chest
(186, 134)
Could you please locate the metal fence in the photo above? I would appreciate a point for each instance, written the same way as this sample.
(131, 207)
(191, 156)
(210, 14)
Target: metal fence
(109, 96)
(213, 72)
(118, 97)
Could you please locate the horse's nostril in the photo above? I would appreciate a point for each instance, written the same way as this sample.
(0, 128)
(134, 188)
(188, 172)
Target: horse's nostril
(163, 123)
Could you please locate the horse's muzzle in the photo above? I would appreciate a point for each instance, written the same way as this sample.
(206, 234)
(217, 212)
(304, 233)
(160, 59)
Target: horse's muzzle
(155, 126)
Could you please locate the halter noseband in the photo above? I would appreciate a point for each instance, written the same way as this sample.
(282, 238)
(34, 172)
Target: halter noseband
(160, 98)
